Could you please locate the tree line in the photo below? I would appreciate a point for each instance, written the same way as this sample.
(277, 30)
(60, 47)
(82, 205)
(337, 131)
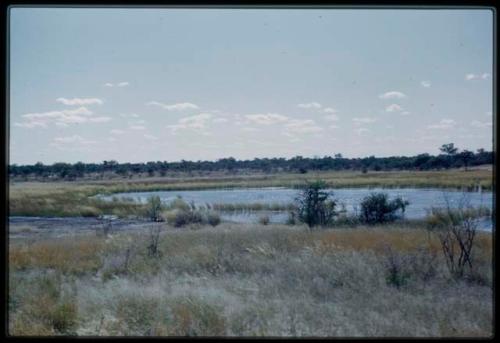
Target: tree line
(450, 157)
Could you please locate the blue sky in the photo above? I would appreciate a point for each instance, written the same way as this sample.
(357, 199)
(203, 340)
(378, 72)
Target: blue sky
(138, 85)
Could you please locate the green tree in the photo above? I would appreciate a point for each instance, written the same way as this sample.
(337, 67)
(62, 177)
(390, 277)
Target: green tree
(448, 149)
(315, 206)
(466, 156)
(376, 208)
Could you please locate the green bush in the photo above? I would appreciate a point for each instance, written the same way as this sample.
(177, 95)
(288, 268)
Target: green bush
(376, 208)
(315, 206)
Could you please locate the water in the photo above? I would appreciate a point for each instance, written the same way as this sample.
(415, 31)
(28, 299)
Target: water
(421, 199)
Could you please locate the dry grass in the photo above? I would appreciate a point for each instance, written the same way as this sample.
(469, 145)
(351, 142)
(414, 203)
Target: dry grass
(65, 254)
(248, 280)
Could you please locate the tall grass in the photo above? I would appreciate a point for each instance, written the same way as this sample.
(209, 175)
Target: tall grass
(248, 280)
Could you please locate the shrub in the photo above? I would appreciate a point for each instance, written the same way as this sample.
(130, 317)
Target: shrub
(314, 206)
(213, 218)
(181, 213)
(292, 218)
(89, 211)
(456, 229)
(195, 317)
(64, 317)
(154, 208)
(376, 208)
(264, 220)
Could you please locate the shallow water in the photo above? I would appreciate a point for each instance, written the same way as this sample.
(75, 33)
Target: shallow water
(421, 199)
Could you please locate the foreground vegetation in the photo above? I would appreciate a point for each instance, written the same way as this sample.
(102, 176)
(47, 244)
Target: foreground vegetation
(249, 280)
(74, 198)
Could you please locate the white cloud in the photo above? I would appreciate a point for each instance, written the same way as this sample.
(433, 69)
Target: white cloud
(329, 110)
(99, 119)
(362, 131)
(331, 117)
(137, 127)
(80, 101)
(425, 84)
(489, 113)
(301, 126)
(220, 120)
(132, 115)
(444, 124)
(31, 124)
(393, 108)
(392, 95)
(59, 114)
(334, 127)
(71, 139)
(405, 113)
(119, 84)
(471, 76)
(196, 122)
(174, 107)
(137, 122)
(150, 137)
(250, 129)
(364, 120)
(310, 105)
(75, 143)
(116, 132)
(266, 119)
(60, 118)
(479, 124)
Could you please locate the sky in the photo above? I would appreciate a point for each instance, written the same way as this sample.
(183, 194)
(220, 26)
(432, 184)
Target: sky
(159, 84)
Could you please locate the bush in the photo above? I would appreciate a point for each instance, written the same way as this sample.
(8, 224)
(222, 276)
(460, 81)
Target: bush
(456, 230)
(154, 208)
(292, 218)
(264, 220)
(314, 206)
(213, 218)
(180, 214)
(376, 208)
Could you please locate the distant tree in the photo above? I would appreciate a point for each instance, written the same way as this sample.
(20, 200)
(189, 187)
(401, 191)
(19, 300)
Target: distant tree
(338, 155)
(448, 149)
(79, 169)
(466, 156)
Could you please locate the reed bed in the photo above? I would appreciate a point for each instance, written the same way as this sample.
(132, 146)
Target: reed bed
(75, 198)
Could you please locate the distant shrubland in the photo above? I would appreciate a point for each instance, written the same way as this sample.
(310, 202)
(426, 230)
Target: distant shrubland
(450, 158)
